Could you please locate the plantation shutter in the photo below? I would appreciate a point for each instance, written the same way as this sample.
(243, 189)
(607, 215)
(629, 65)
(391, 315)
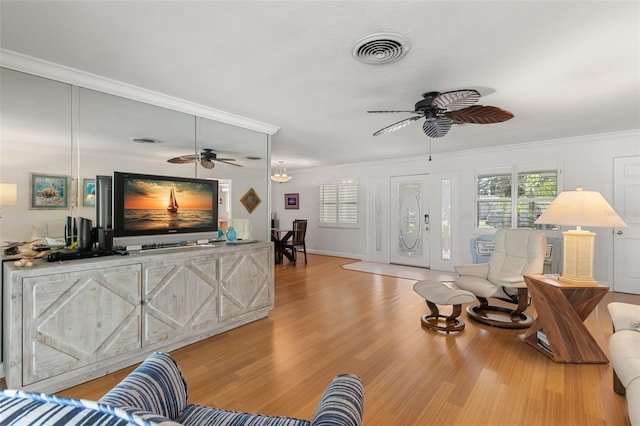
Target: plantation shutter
(328, 204)
(339, 204)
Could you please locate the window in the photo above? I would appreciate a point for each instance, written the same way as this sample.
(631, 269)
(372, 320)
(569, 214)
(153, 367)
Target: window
(493, 200)
(536, 190)
(513, 199)
(445, 242)
(339, 205)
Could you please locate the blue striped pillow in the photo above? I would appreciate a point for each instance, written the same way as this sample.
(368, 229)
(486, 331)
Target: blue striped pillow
(342, 402)
(31, 408)
(157, 385)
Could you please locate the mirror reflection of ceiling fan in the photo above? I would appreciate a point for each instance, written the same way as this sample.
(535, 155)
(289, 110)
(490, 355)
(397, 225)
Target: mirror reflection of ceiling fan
(442, 110)
(206, 158)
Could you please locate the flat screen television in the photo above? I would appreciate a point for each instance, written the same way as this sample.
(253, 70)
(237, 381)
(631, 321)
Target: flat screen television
(156, 205)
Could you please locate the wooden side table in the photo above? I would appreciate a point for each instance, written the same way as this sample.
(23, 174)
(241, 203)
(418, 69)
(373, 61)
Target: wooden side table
(562, 309)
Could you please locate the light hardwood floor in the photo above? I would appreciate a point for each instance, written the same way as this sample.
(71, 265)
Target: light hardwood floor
(328, 320)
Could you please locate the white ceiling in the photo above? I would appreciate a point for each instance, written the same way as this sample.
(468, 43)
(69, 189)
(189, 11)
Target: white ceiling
(564, 68)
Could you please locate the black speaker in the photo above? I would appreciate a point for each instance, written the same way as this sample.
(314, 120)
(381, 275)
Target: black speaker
(70, 231)
(105, 240)
(84, 234)
(104, 200)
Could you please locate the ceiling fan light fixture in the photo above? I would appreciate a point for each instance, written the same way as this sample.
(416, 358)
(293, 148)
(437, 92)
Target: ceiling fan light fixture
(280, 175)
(206, 159)
(380, 48)
(442, 110)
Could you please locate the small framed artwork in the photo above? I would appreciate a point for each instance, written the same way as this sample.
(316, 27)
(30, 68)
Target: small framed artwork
(89, 192)
(250, 200)
(292, 201)
(49, 191)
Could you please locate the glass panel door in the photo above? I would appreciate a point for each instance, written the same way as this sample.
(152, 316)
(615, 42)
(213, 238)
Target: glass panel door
(410, 221)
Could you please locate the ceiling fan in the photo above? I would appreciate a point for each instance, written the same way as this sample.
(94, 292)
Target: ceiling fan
(206, 159)
(442, 110)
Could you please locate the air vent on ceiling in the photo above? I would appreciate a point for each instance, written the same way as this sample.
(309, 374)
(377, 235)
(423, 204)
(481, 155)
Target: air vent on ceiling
(380, 48)
(145, 140)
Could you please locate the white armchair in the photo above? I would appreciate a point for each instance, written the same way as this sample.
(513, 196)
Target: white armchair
(517, 252)
(624, 352)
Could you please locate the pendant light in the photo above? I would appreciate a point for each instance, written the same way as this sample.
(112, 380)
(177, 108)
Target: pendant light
(280, 175)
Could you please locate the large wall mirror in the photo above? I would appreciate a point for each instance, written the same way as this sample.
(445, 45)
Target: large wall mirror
(36, 132)
(55, 129)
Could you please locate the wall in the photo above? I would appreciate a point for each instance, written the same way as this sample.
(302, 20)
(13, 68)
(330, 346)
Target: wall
(583, 161)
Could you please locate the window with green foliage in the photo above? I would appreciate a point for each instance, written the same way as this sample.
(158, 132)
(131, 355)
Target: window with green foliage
(339, 205)
(513, 199)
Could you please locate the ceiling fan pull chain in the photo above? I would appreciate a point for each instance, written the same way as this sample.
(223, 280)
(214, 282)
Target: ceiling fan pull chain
(429, 149)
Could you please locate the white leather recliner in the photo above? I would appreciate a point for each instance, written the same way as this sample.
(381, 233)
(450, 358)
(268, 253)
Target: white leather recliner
(517, 252)
(624, 352)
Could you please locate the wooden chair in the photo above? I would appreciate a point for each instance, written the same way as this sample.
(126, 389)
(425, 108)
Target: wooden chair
(297, 242)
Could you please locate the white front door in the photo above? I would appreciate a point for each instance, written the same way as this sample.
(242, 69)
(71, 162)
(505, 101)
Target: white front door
(409, 230)
(626, 241)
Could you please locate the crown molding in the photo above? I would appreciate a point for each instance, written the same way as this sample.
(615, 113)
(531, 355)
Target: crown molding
(51, 70)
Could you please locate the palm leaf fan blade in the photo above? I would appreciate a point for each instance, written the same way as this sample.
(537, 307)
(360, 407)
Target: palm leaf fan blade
(437, 128)
(228, 161)
(456, 99)
(207, 163)
(183, 159)
(396, 126)
(479, 114)
(393, 112)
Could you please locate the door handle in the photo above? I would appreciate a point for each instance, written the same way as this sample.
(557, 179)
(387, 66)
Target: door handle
(619, 232)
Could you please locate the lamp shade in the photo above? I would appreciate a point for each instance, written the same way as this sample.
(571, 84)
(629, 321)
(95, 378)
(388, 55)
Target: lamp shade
(581, 208)
(8, 194)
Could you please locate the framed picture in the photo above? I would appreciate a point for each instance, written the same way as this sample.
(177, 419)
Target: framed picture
(250, 200)
(292, 201)
(89, 192)
(49, 191)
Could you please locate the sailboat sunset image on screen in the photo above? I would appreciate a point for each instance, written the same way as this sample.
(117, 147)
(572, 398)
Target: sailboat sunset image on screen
(147, 204)
(173, 203)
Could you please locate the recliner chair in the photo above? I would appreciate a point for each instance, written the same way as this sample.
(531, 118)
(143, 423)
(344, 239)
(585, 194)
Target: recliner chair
(517, 252)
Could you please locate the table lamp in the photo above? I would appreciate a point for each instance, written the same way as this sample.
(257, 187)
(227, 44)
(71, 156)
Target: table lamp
(8, 194)
(580, 208)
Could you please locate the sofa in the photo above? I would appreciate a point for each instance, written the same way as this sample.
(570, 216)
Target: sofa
(624, 353)
(155, 393)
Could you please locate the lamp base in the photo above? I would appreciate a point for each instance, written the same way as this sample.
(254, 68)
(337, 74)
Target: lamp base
(577, 257)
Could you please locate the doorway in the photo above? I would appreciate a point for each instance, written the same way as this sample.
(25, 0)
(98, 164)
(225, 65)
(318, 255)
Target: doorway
(409, 221)
(626, 241)
(224, 203)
